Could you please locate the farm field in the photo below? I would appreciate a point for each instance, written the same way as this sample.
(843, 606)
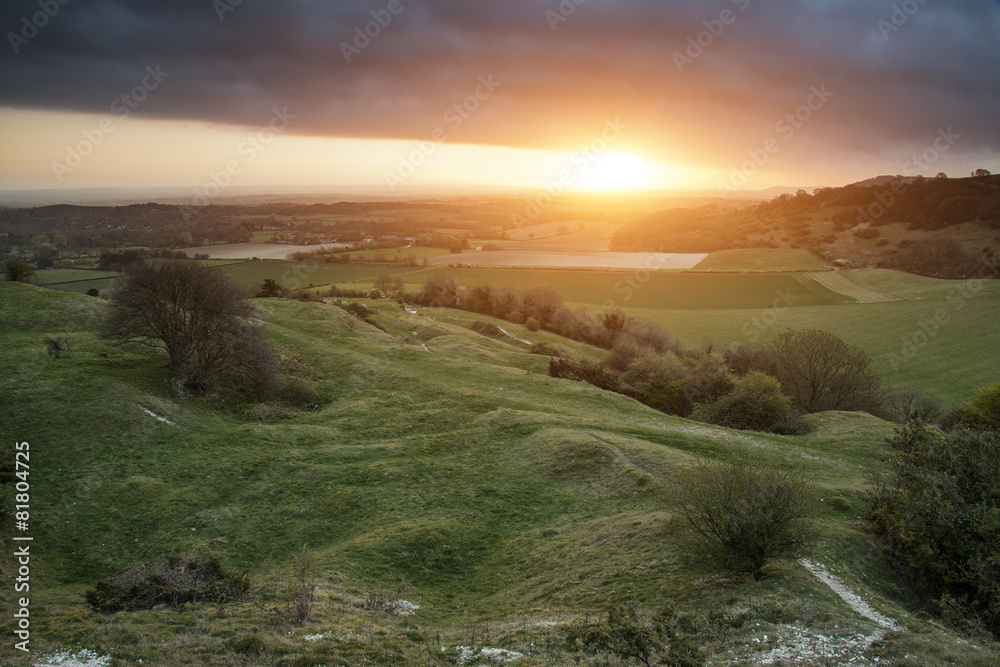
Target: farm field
(761, 259)
(951, 359)
(259, 250)
(55, 276)
(730, 308)
(589, 229)
(594, 288)
(598, 260)
(441, 464)
(420, 252)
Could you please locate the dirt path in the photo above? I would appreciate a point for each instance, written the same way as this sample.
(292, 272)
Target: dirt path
(794, 644)
(853, 600)
(835, 281)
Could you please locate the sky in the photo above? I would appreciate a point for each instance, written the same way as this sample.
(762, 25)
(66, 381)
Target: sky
(392, 96)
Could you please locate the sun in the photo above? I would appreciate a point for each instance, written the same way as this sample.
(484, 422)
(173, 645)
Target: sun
(614, 171)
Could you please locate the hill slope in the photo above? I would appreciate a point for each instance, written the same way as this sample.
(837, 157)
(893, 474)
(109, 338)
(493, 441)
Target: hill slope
(439, 463)
(940, 227)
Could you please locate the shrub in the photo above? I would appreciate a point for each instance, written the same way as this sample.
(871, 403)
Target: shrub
(93, 292)
(18, 270)
(984, 410)
(755, 403)
(173, 581)
(270, 288)
(299, 592)
(547, 349)
(746, 511)
(745, 357)
(359, 310)
(627, 633)
(531, 324)
(660, 381)
(248, 645)
(940, 510)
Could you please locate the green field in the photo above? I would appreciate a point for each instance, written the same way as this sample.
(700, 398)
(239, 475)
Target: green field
(509, 502)
(56, 276)
(762, 259)
(727, 308)
(636, 288)
(420, 252)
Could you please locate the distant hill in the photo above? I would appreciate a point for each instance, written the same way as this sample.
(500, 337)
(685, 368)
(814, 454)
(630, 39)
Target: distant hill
(884, 180)
(940, 227)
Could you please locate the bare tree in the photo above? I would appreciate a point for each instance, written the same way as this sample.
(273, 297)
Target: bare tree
(389, 285)
(199, 318)
(822, 372)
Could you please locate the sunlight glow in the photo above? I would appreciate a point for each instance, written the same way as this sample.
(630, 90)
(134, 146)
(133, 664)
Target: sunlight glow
(615, 171)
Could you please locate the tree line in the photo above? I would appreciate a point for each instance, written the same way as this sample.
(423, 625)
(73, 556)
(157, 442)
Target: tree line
(746, 386)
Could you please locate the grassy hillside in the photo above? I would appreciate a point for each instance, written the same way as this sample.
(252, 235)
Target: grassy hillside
(937, 227)
(754, 307)
(439, 463)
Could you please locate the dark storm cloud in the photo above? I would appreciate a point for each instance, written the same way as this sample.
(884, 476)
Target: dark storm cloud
(897, 70)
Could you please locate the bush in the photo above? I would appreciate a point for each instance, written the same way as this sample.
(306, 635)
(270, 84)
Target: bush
(249, 645)
(270, 288)
(659, 381)
(531, 324)
(173, 581)
(747, 511)
(18, 270)
(755, 403)
(628, 633)
(517, 317)
(940, 510)
(984, 411)
(547, 349)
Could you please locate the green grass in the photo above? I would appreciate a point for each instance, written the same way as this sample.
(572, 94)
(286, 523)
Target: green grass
(55, 276)
(509, 501)
(637, 289)
(951, 364)
(727, 308)
(420, 252)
